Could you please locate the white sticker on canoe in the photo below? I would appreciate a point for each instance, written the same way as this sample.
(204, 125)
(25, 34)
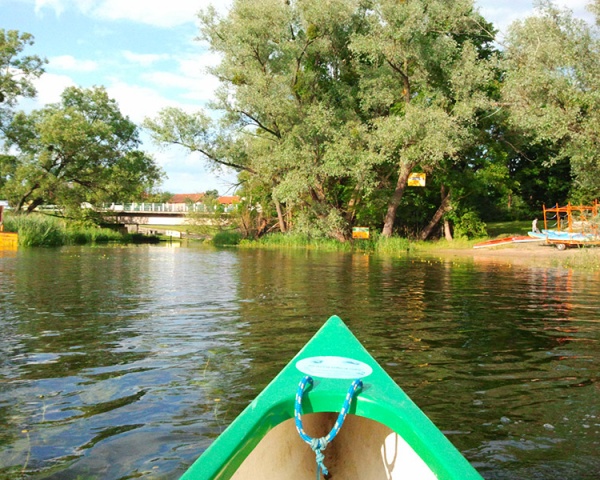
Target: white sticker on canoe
(333, 367)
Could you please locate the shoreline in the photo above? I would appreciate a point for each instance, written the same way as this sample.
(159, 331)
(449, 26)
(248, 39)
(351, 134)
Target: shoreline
(525, 254)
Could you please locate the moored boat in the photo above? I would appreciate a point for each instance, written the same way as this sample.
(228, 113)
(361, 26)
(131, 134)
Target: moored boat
(576, 225)
(332, 408)
(563, 239)
(506, 241)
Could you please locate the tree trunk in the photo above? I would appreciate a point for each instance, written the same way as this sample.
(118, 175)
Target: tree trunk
(33, 205)
(280, 216)
(390, 216)
(23, 199)
(447, 231)
(443, 208)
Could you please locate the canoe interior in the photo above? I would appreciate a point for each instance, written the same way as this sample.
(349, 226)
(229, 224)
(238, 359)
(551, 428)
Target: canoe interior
(363, 449)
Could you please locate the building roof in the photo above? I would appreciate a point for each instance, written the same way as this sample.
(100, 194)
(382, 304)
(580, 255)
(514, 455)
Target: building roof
(229, 200)
(187, 197)
(199, 198)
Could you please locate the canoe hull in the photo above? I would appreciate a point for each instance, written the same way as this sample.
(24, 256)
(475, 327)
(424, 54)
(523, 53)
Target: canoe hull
(506, 241)
(566, 238)
(383, 422)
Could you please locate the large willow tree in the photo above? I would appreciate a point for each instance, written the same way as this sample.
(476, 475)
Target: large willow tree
(291, 120)
(323, 101)
(551, 87)
(425, 66)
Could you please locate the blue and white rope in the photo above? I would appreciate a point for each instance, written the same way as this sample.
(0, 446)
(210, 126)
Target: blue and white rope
(319, 444)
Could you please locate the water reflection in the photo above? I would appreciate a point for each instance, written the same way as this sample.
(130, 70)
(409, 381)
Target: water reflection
(121, 362)
(101, 347)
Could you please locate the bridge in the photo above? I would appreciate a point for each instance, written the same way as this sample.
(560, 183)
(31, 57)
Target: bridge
(151, 216)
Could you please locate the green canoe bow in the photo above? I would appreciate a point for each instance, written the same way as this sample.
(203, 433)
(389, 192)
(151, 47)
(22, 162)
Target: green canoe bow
(332, 353)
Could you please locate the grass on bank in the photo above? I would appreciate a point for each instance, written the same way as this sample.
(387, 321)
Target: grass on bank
(504, 229)
(36, 230)
(583, 259)
(379, 244)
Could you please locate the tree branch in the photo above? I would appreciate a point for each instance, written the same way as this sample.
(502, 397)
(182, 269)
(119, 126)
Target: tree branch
(260, 124)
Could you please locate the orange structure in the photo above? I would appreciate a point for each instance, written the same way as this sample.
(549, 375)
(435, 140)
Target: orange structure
(575, 225)
(574, 218)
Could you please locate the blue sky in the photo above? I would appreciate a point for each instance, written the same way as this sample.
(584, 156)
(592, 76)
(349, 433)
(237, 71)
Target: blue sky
(145, 53)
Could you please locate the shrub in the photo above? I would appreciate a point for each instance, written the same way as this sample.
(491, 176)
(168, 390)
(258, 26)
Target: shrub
(469, 225)
(227, 238)
(37, 230)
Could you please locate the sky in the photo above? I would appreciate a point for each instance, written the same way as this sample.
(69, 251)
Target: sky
(145, 53)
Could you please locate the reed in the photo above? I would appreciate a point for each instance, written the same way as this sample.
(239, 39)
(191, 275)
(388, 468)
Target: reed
(582, 259)
(37, 230)
(226, 238)
(375, 244)
(296, 240)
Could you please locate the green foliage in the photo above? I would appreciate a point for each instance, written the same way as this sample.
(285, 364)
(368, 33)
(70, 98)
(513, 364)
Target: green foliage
(17, 71)
(468, 225)
(392, 245)
(79, 150)
(37, 230)
(155, 196)
(375, 244)
(327, 107)
(551, 87)
(296, 240)
(226, 238)
(503, 229)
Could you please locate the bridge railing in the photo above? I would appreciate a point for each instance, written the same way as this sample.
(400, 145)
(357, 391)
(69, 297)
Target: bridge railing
(163, 207)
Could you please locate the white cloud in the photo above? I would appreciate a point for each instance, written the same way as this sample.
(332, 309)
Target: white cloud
(194, 65)
(153, 12)
(50, 86)
(191, 173)
(57, 5)
(191, 76)
(145, 59)
(200, 88)
(169, 80)
(159, 13)
(503, 13)
(138, 102)
(70, 63)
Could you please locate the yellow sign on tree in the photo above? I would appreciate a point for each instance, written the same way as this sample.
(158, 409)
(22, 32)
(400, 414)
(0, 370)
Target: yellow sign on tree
(360, 232)
(416, 179)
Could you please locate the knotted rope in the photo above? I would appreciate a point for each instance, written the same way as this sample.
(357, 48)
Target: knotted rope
(319, 444)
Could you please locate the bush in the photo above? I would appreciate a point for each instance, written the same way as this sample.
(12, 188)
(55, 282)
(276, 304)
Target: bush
(37, 230)
(227, 238)
(469, 225)
(393, 245)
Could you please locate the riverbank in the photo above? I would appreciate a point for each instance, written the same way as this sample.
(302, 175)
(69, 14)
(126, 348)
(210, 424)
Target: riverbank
(523, 254)
(37, 230)
(530, 254)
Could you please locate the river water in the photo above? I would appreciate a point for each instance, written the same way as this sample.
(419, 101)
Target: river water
(126, 362)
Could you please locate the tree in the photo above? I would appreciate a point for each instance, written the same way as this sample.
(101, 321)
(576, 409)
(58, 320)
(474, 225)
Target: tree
(552, 74)
(424, 71)
(81, 149)
(17, 71)
(289, 109)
